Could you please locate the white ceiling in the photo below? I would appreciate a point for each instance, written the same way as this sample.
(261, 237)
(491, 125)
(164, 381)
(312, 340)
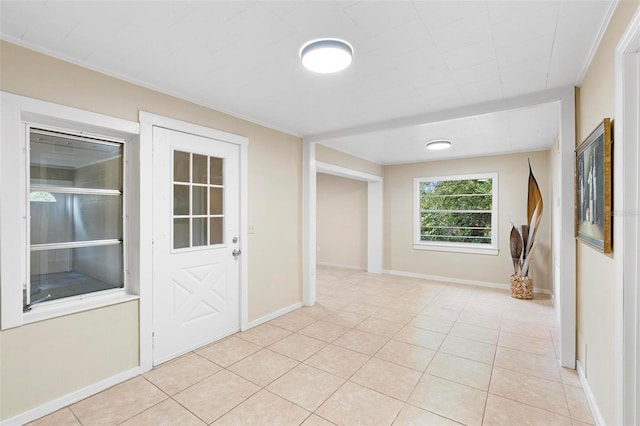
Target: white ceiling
(411, 57)
(493, 133)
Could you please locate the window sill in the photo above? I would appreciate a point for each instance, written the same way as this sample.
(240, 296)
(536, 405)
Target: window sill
(55, 309)
(491, 251)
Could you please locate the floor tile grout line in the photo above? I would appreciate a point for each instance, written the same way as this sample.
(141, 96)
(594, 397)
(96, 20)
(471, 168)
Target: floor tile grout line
(150, 407)
(192, 384)
(493, 365)
(236, 405)
(264, 386)
(529, 405)
(266, 323)
(186, 408)
(74, 414)
(564, 388)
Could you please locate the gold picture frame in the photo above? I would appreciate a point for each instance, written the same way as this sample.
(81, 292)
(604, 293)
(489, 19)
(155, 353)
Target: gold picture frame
(593, 188)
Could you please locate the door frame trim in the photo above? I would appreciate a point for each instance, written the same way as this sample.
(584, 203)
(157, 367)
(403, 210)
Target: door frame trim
(626, 224)
(147, 122)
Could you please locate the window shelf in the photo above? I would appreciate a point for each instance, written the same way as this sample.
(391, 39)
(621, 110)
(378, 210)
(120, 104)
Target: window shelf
(74, 244)
(74, 190)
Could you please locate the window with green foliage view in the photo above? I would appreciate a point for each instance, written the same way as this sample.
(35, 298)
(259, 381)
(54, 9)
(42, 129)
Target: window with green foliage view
(456, 210)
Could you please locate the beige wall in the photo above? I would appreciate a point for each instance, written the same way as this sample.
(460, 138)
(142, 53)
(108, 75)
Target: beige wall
(399, 254)
(596, 272)
(339, 158)
(48, 359)
(341, 224)
(275, 176)
(274, 191)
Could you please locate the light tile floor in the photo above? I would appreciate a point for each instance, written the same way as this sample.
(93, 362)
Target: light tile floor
(375, 350)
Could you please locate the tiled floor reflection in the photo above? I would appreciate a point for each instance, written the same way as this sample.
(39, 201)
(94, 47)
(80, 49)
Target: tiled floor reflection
(375, 350)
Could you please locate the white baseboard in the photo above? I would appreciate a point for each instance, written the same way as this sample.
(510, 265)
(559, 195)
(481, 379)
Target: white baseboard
(71, 398)
(459, 280)
(337, 265)
(272, 315)
(595, 411)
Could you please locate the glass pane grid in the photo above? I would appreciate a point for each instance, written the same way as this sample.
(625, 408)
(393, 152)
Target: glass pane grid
(455, 227)
(456, 211)
(428, 194)
(198, 200)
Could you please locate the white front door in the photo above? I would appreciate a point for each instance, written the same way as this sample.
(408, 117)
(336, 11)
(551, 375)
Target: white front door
(196, 223)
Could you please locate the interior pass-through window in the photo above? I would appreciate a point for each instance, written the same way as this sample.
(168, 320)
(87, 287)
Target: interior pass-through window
(76, 210)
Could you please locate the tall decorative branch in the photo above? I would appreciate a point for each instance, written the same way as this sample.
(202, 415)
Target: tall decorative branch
(524, 244)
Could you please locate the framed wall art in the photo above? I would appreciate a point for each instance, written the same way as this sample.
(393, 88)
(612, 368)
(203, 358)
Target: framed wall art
(593, 188)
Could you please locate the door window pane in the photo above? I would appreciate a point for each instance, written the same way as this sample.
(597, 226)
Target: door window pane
(216, 176)
(216, 201)
(216, 230)
(199, 231)
(180, 233)
(200, 168)
(180, 199)
(181, 169)
(199, 200)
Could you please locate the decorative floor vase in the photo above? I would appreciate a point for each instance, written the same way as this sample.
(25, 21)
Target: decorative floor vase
(521, 287)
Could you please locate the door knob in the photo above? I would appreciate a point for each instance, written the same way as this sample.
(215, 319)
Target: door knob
(236, 253)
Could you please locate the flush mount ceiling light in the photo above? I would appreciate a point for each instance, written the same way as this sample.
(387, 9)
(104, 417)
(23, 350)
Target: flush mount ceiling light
(438, 144)
(326, 55)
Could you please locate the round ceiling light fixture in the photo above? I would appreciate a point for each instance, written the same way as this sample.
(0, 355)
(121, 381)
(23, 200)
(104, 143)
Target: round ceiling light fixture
(438, 145)
(326, 55)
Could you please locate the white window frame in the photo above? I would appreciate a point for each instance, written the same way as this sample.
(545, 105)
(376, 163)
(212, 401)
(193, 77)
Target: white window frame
(96, 138)
(474, 248)
(18, 113)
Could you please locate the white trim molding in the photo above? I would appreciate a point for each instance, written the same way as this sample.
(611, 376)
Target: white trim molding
(309, 223)
(70, 398)
(591, 400)
(273, 315)
(332, 169)
(476, 283)
(567, 255)
(337, 265)
(626, 225)
(594, 47)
